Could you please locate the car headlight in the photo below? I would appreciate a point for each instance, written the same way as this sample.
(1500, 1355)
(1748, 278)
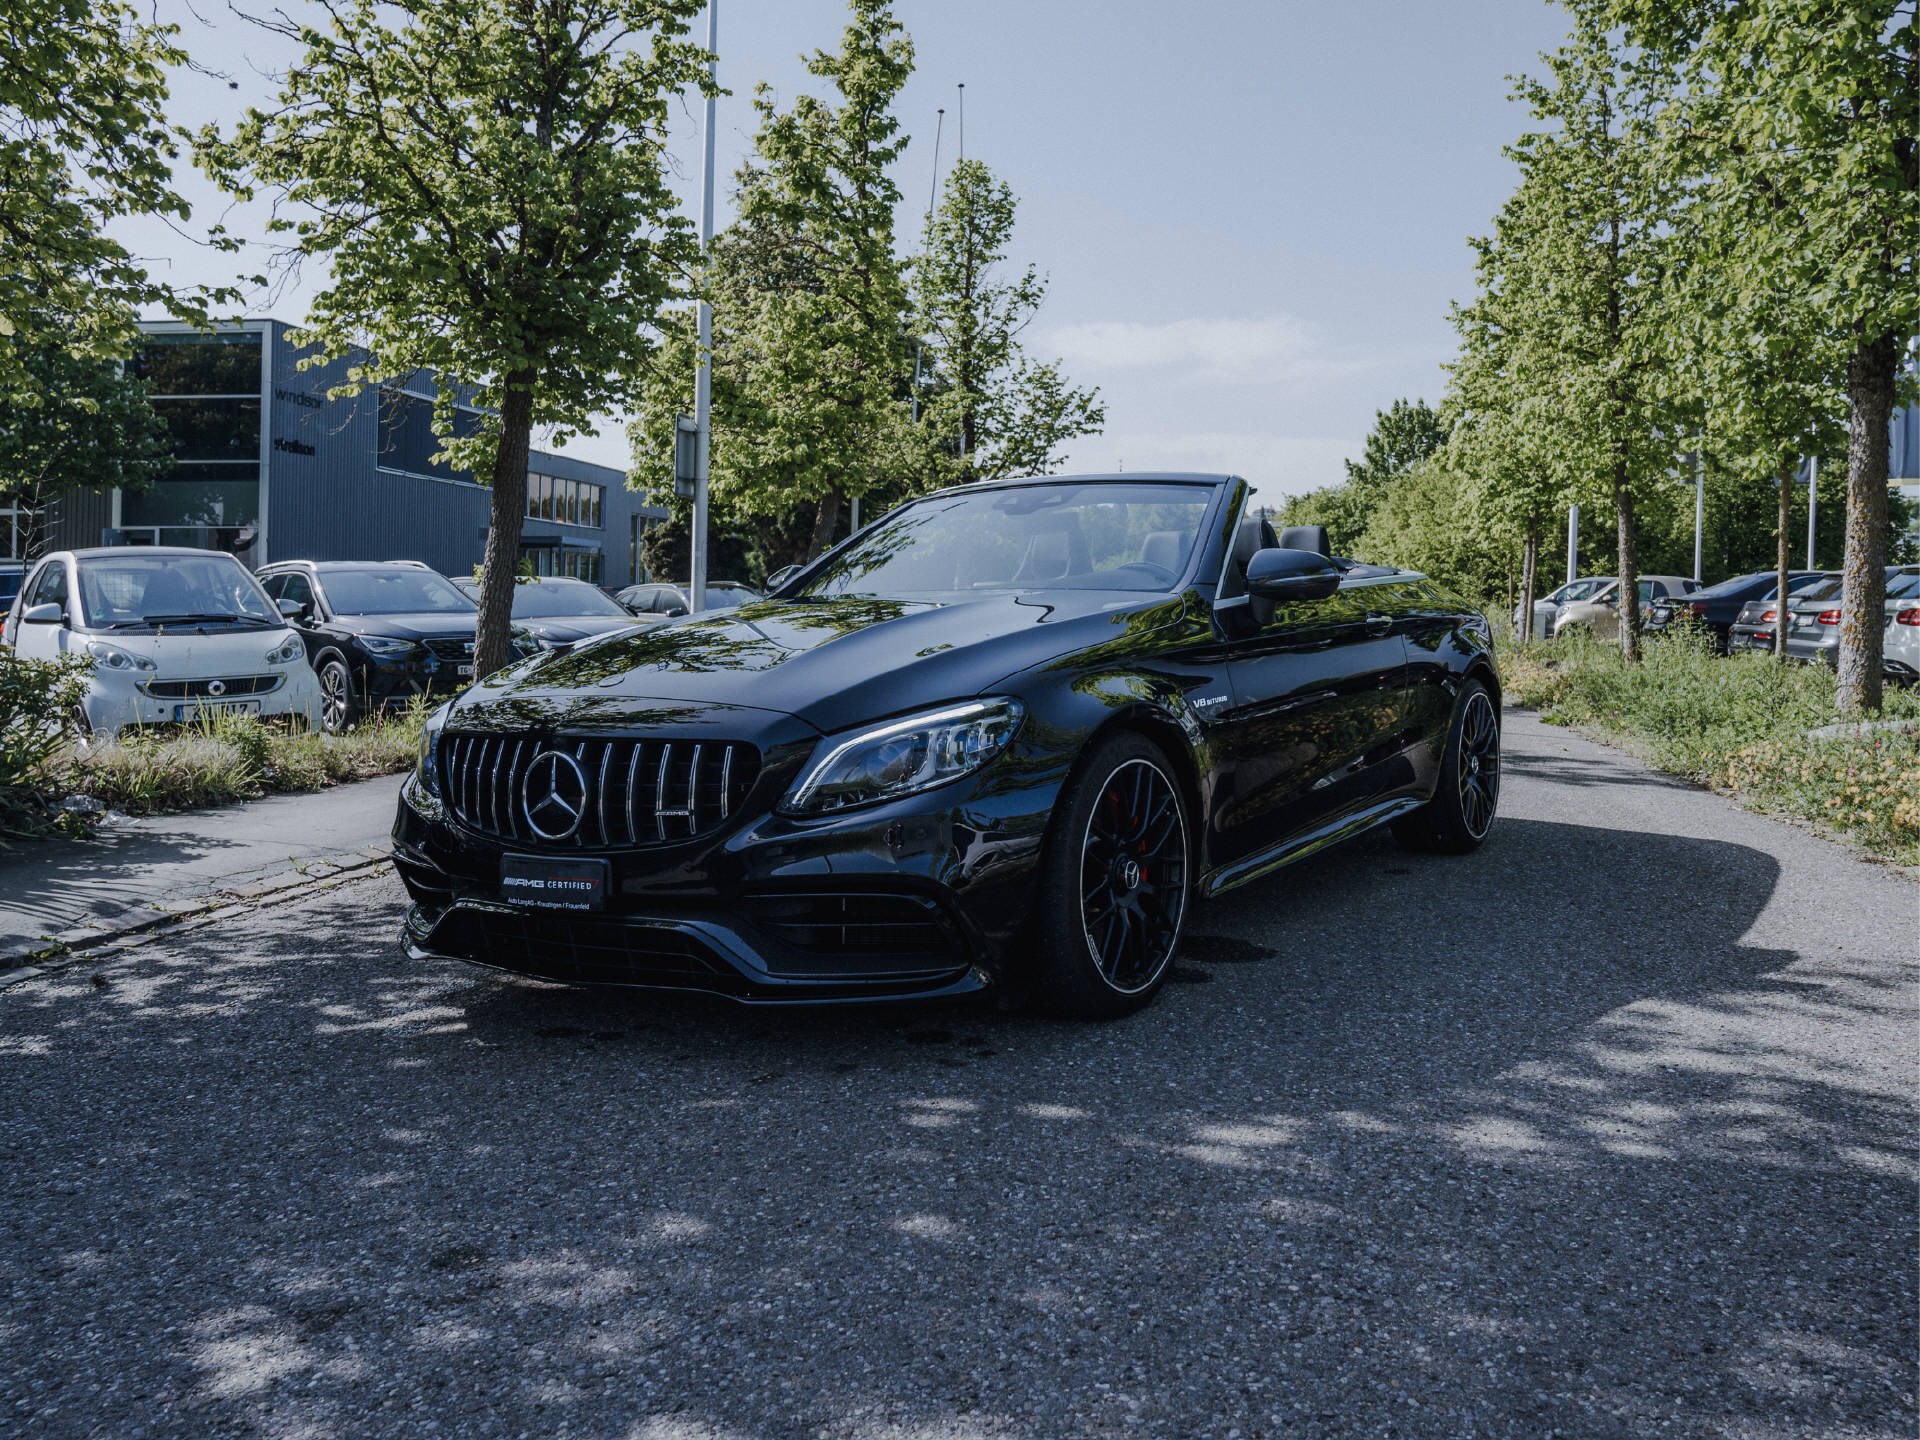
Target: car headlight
(287, 651)
(112, 657)
(902, 757)
(386, 647)
(427, 768)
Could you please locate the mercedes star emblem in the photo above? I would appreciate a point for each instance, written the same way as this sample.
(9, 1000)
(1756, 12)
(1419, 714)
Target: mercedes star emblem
(216, 687)
(555, 794)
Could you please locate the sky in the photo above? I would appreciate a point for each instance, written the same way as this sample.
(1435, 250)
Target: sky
(1254, 215)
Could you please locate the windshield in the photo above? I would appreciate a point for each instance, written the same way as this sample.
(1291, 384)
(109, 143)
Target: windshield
(1032, 537)
(1578, 590)
(1728, 589)
(729, 595)
(134, 591)
(1905, 586)
(541, 599)
(392, 592)
(1827, 587)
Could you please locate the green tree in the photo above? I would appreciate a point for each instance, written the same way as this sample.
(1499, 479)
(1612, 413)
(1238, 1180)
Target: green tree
(75, 422)
(1804, 110)
(1404, 434)
(1585, 251)
(83, 141)
(821, 409)
(486, 179)
(993, 411)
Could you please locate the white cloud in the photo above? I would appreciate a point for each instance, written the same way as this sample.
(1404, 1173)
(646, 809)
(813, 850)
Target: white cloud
(1250, 351)
(1275, 465)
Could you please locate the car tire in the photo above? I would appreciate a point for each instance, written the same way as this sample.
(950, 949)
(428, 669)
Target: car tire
(1116, 882)
(339, 710)
(1461, 813)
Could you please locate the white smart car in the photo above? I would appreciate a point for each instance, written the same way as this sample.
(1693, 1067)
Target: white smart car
(173, 635)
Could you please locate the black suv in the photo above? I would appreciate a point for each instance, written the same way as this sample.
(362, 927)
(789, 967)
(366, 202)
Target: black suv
(378, 632)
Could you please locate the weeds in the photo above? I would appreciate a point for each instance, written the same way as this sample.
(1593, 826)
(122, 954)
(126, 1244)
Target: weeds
(1740, 724)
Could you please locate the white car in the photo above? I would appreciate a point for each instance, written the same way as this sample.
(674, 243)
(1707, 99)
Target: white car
(173, 635)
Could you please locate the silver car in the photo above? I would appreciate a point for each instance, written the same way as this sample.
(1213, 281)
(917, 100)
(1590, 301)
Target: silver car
(1901, 646)
(1547, 608)
(1813, 621)
(1599, 614)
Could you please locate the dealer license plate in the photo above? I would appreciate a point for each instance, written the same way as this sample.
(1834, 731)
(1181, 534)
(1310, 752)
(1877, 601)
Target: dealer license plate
(186, 714)
(553, 884)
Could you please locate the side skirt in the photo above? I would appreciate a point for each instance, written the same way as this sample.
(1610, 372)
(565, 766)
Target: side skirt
(1229, 877)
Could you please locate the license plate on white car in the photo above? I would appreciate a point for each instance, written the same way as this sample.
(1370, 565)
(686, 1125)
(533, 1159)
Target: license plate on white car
(186, 714)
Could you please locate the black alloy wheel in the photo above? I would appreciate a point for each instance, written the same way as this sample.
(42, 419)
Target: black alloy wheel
(1464, 803)
(1117, 884)
(337, 710)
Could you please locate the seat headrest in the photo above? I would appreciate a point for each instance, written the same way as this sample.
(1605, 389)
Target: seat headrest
(1162, 548)
(1306, 537)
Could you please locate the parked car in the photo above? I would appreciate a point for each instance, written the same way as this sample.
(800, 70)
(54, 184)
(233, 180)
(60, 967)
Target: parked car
(1752, 628)
(1813, 616)
(555, 611)
(655, 598)
(1715, 608)
(1547, 608)
(1901, 644)
(173, 635)
(1599, 613)
(1006, 736)
(378, 632)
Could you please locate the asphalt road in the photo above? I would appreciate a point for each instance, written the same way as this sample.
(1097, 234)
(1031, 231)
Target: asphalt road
(1608, 1130)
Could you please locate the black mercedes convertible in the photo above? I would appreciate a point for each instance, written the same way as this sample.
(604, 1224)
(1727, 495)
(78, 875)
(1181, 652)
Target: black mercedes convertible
(1006, 736)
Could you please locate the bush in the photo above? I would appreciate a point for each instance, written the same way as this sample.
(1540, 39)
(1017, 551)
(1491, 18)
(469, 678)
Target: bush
(1737, 723)
(39, 706)
(225, 758)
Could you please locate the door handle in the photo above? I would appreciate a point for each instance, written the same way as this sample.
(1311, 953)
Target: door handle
(1379, 624)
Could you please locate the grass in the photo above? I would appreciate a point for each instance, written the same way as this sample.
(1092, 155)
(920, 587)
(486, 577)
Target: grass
(1738, 724)
(226, 758)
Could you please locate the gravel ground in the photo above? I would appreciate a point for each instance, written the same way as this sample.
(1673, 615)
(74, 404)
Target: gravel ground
(1415, 1147)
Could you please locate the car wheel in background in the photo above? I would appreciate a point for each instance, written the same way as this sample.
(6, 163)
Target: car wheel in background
(1116, 882)
(338, 711)
(1461, 811)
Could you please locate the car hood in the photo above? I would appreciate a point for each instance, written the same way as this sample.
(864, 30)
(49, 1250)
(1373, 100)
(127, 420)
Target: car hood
(429, 626)
(833, 663)
(185, 654)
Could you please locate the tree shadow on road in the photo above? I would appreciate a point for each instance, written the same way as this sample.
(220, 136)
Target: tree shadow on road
(1484, 1146)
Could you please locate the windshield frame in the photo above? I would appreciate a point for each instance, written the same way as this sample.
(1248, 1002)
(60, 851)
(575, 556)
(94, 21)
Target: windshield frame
(1204, 558)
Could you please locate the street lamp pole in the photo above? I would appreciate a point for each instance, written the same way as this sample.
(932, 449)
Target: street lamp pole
(703, 377)
(1573, 543)
(1699, 507)
(1813, 502)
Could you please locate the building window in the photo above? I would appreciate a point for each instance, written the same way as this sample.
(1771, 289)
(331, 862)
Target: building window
(407, 439)
(566, 502)
(190, 364)
(637, 527)
(577, 562)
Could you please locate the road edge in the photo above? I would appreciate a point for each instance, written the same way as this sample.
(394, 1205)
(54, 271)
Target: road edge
(24, 959)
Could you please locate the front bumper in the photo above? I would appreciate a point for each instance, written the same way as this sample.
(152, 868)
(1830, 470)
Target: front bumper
(117, 701)
(922, 898)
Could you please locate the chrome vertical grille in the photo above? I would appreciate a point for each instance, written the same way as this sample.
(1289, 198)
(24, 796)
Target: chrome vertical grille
(630, 792)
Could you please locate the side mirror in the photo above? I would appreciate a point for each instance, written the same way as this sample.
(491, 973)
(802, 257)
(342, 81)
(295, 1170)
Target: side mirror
(293, 610)
(780, 577)
(674, 612)
(48, 614)
(1291, 575)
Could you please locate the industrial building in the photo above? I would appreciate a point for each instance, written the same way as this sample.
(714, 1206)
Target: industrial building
(270, 468)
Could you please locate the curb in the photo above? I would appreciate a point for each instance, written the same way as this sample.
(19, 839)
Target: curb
(23, 959)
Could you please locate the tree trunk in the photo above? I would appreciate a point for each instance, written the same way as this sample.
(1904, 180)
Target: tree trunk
(1629, 606)
(825, 517)
(493, 647)
(1529, 581)
(1781, 559)
(1871, 374)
